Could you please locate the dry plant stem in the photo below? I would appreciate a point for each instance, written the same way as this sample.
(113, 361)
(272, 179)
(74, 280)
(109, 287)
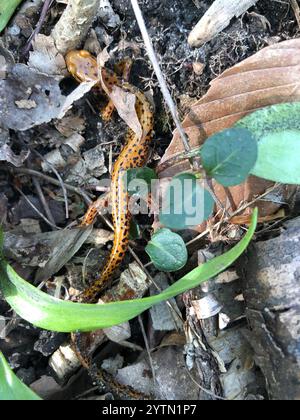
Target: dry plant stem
(74, 24)
(46, 7)
(164, 89)
(236, 213)
(216, 19)
(178, 158)
(59, 179)
(148, 349)
(51, 180)
(206, 391)
(230, 198)
(210, 188)
(43, 201)
(35, 209)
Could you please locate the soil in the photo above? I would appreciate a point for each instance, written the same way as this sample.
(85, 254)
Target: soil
(169, 23)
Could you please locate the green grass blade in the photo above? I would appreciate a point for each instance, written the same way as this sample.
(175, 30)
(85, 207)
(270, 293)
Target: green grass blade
(11, 388)
(7, 9)
(52, 314)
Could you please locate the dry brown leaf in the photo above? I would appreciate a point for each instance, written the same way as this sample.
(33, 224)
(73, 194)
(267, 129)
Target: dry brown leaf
(269, 77)
(246, 219)
(125, 105)
(72, 124)
(173, 339)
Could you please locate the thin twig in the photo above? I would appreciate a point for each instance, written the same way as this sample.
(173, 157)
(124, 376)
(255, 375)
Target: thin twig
(148, 350)
(61, 182)
(36, 209)
(159, 74)
(210, 188)
(43, 201)
(51, 180)
(230, 198)
(46, 7)
(206, 391)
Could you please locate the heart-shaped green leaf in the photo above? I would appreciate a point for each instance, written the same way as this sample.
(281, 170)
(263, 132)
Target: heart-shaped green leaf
(167, 251)
(139, 181)
(11, 388)
(229, 156)
(186, 203)
(279, 157)
(47, 312)
(277, 130)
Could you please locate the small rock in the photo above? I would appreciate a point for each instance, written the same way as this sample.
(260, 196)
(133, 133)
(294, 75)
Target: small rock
(48, 342)
(113, 364)
(198, 68)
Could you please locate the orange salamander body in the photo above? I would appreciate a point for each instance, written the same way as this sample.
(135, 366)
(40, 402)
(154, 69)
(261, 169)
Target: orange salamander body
(83, 66)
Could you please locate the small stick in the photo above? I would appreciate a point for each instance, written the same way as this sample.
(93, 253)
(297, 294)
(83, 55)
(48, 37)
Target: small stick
(51, 180)
(46, 7)
(210, 188)
(35, 209)
(61, 182)
(159, 75)
(148, 349)
(43, 201)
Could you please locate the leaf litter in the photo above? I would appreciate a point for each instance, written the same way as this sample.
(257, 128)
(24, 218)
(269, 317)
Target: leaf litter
(68, 135)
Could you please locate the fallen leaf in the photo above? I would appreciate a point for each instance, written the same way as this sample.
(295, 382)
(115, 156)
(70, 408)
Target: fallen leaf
(125, 104)
(6, 154)
(269, 77)
(21, 84)
(35, 249)
(246, 219)
(77, 94)
(70, 125)
(45, 57)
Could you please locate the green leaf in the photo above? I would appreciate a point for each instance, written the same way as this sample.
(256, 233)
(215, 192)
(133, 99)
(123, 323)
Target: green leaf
(52, 314)
(7, 9)
(277, 129)
(272, 119)
(186, 203)
(229, 156)
(167, 251)
(279, 157)
(11, 388)
(145, 175)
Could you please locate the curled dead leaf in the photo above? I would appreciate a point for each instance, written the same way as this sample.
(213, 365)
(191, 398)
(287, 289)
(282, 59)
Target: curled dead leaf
(269, 77)
(125, 105)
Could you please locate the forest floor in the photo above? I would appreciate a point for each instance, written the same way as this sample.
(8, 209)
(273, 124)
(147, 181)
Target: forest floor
(83, 149)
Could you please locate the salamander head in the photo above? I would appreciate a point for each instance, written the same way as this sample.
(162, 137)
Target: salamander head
(82, 65)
